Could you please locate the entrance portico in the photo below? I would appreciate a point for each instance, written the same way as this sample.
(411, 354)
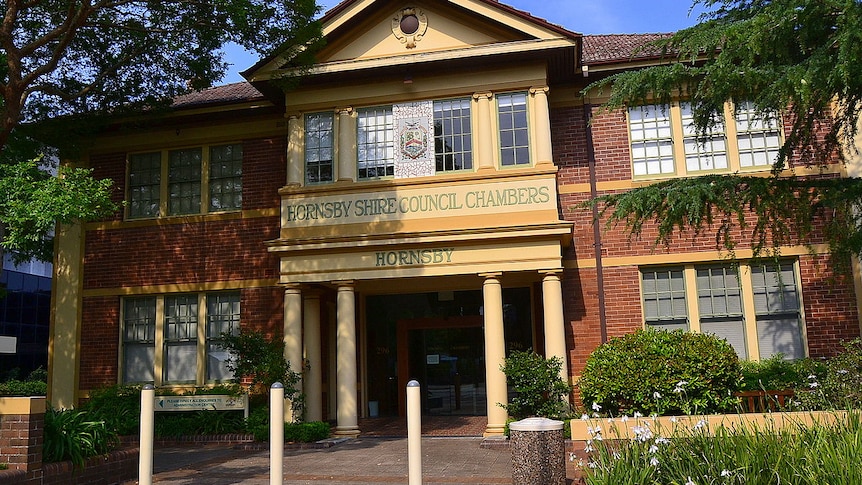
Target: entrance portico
(431, 236)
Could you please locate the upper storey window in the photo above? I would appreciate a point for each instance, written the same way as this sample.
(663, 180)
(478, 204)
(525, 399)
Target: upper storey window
(514, 132)
(169, 183)
(375, 142)
(453, 140)
(318, 148)
(664, 142)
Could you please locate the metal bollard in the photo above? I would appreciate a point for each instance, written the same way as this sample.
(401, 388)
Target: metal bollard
(145, 456)
(414, 434)
(276, 433)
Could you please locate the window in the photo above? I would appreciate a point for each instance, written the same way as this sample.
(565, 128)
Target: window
(663, 141)
(163, 341)
(318, 148)
(755, 308)
(651, 141)
(513, 130)
(173, 182)
(375, 142)
(453, 143)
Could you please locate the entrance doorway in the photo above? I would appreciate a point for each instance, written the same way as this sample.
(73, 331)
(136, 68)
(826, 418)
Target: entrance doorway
(447, 357)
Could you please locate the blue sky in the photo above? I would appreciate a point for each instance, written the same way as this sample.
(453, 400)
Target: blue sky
(584, 16)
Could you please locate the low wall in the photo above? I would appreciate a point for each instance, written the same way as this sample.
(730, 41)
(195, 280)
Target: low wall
(669, 426)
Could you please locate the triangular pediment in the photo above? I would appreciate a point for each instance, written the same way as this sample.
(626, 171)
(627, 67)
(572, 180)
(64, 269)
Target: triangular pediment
(383, 32)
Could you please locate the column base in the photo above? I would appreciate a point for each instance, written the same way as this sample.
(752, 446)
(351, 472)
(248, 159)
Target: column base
(347, 432)
(493, 430)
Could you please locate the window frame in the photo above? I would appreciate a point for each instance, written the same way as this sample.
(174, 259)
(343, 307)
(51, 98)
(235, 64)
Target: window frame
(750, 316)
(526, 129)
(162, 342)
(164, 202)
(679, 134)
(309, 149)
(466, 137)
(387, 145)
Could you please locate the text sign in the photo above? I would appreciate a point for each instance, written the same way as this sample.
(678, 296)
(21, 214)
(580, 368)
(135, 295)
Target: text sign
(198, 403)
(8, 345)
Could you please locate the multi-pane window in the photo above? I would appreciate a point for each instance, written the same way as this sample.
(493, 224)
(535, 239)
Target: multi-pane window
(664, 299)
(453, 145)
(181, 338)
(184, 181)
(757, 309)
(139, 339)
(225, 177)
(719, 303)
(163, 341)
(187, 181)
(513, 129)
(375, 142)
(145, 178)
(757, 138)
(704, 153)
(318, 147)
(776, 303)
(664, 141)
(222, 318)
(651, 140)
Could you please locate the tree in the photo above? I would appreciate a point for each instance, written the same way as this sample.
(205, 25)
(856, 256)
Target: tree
(798, 59)
(69, 60)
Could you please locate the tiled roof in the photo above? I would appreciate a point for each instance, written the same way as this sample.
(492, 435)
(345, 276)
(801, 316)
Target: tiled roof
(229, 93)
(604, 49)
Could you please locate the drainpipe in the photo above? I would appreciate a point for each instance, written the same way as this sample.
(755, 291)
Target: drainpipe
(597, 230)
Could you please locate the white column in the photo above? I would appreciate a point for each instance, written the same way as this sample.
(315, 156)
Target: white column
(295, 152)
(293, 336)
(312, 377)
(346, 145)
(555, 332)
(542, 125)
(485, 146)
(347, 413)
(495, 354)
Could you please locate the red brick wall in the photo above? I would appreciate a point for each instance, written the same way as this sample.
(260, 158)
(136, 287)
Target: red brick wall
(21, 440)
(100, 337)
(830, 307)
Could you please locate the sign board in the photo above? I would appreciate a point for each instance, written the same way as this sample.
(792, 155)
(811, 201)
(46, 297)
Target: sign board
(202, 403)
(8, 345)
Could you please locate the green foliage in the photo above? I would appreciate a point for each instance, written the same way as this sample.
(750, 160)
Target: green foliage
(34, 385)
(306, 432)
(777, 373)
(257, 422)
(660, 372)
(798, 58)
(4, 466)
(201, 422)
(539, 389)
(840, 386)
(119, 406)
(75, 435)
(799, 456)
(255, 356)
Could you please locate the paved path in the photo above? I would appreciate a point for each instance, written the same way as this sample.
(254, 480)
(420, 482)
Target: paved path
(361, 461)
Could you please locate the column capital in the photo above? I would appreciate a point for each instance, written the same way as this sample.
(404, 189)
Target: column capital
(292, 116)
(539, 89)
(344, 283)
(550, 272)
(345, 110)
(480, 96)
(292, 287)
(489, 276)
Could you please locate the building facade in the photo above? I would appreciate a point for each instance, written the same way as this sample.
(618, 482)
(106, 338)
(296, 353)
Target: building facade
(411, 209)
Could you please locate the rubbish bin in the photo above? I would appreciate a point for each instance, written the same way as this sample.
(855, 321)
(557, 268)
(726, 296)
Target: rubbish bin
(538, 452)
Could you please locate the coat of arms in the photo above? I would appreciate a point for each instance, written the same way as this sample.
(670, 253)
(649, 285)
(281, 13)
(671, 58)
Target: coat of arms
(414, 140)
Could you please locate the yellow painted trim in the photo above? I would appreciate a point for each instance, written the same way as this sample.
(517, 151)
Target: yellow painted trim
(23, 405)
(689, 279)
(180, 288)
(159, 344)
(689, 257)
(64, 346)
(752, 345)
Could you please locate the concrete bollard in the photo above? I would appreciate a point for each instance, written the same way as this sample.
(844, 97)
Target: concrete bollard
(538, 452)
(414, 434)
(276, 434)
(145, 456)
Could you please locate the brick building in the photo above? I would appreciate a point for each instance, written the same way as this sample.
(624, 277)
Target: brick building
(410, 210)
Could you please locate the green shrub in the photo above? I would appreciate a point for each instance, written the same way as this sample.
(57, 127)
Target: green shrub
(306, 432)
(119, 406)
(539, 390)
(75, 435)
(190, 423)
(840, 386)
(777, 373)
(658, 372)
(34, 385)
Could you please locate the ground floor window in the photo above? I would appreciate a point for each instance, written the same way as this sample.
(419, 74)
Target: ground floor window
(755, 307)
(438, 339)
(175, 339)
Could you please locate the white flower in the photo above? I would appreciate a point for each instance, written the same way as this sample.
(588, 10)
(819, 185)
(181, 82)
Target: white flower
(593, 464)
(589, 447)
(690, 482)
(653, 449)
(653, 461)
(571, 456)
(625, 418)
(656, 395)
(726, 473)
(813, 385)
(812, 376)
(597, 407)
(680, 387)
(610, 420)
(638, 414)
(616, 455)
(662, 440)
(700, 424)
(842, 371)
(585, 417)
(674, 419)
